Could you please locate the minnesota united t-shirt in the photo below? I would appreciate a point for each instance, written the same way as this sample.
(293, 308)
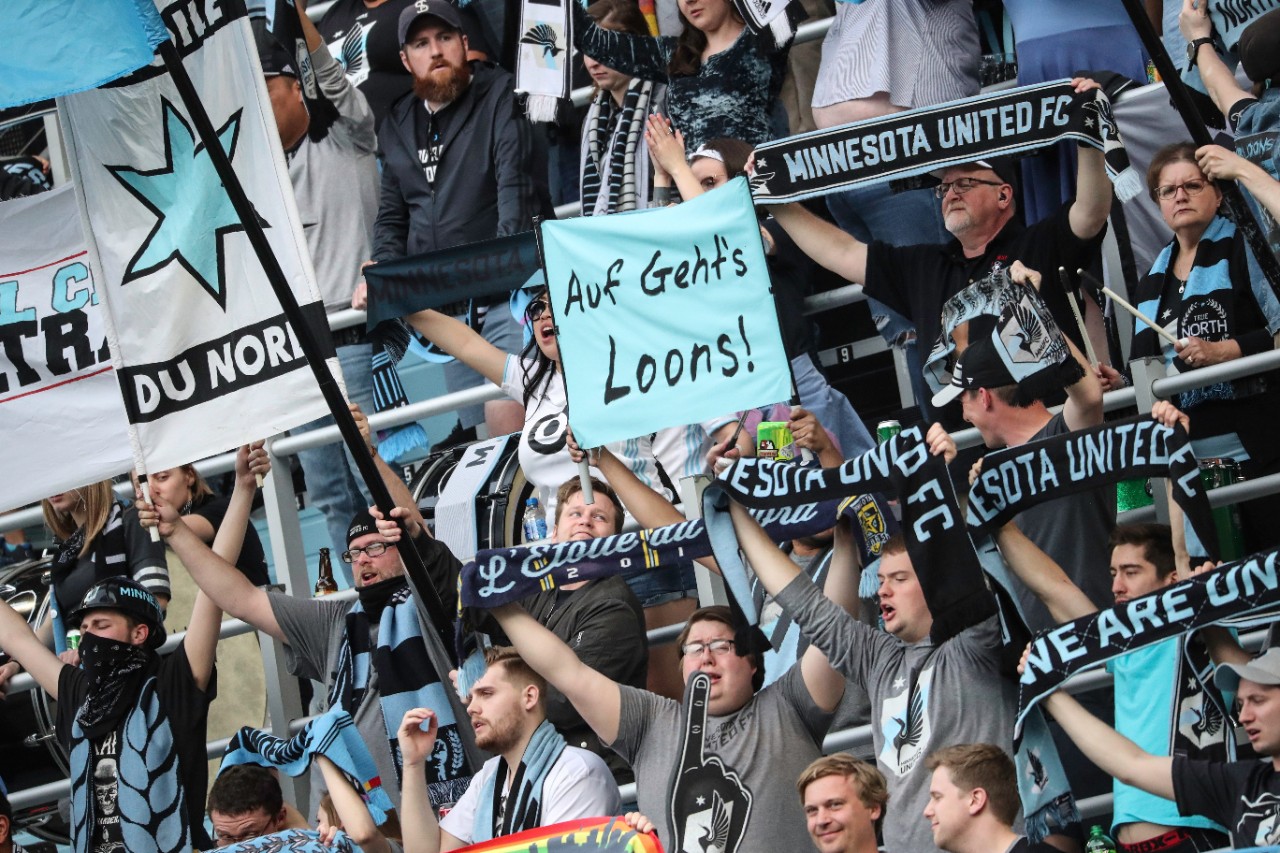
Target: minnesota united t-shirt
(365, 41)
(1243, 796)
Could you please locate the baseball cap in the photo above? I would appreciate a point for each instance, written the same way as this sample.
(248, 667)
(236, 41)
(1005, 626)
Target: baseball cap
(1264, 669)
(361, 524)
(275, 60)
(1004, 167)
(979, 366)
(1259, 48)
(127, 596)
(441, 9)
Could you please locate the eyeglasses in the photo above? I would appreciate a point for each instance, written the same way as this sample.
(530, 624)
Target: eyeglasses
(718, 647)
(373, 549)
(260, 827)
(536, 309)
(962, 186)
(1192, 187)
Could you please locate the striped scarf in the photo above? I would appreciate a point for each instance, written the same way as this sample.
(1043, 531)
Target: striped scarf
(615, 132)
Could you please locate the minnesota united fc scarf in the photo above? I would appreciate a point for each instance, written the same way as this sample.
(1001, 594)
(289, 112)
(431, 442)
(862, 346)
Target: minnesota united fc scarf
(1020, 477)
(406, 680)
(916, 142)
(332, 734)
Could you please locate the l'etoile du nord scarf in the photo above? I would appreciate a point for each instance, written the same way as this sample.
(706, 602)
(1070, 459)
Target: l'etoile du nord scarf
(406, 680)
(1020, 477)
(915, 142)
(332, 734)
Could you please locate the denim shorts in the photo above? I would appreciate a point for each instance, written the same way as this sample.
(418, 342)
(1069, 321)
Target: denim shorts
(658, 586)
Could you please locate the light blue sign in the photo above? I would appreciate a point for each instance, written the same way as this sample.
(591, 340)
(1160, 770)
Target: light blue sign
(665, 316)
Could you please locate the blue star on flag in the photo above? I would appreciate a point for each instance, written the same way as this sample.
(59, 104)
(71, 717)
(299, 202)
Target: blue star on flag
(193, 211)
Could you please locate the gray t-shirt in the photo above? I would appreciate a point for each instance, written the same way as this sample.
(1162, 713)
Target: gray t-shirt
(923, 697)
(313, 629)
(768, 743)
(1075, 531)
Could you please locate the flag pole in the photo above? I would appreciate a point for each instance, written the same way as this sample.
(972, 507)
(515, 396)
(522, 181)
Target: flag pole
(430, 607)
(1186, 107)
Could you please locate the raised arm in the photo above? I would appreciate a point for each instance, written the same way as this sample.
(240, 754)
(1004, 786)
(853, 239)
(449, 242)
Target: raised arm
(635, 55)
(1219, 81)
(825, 684)
(421, 829)
(1043, 576)
(1221, 164)
(400, 494)
(666, 148)
(595, 697)
(1092, 205)
(1114, 753)
(352, 812)
(1084, 398)
(839, 252)
(217, 578)
(19, 643)
(462, 342)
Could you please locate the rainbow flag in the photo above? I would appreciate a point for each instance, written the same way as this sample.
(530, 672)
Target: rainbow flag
(598, 834)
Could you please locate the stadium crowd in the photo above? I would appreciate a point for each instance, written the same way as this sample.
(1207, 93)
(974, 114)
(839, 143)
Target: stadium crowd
(427, 147)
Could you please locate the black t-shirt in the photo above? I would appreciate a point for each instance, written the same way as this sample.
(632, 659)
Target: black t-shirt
(365, 41)
(792, 273)
(253, 561)
(1243, 796)
(916, 281)
(185, 707)
(428, 131)
(1026, 845)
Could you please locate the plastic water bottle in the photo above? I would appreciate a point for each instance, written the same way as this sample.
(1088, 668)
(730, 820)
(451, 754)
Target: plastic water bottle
(535, 521)
(1099, 842)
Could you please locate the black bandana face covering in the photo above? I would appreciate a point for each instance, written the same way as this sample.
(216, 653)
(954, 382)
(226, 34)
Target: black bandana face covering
(374, 596)
(113, 669)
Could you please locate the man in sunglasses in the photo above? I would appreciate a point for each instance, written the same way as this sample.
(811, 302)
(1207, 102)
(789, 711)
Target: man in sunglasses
(979, 209)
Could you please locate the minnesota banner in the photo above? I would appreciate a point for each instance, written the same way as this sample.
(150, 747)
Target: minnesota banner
(205, 358)
(56, 379)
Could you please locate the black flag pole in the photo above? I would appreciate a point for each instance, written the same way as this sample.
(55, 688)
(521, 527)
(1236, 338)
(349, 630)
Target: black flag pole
(430, 607)
(1186, 107)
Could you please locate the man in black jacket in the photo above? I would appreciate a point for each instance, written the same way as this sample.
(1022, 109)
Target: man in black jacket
(457, 168)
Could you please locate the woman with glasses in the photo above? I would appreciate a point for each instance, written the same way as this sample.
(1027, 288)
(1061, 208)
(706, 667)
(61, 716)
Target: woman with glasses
(1200, 291)
(534, 379)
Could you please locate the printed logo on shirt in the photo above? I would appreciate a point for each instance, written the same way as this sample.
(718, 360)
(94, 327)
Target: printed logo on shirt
(107, 836)
(548, 433)
(1264, 813)
(429, 157)
(351, 50)
(905, 725)
(1204, 317)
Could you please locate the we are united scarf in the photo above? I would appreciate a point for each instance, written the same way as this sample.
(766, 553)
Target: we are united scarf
(1017, 478)
(915, 142)
(332, 734)
(406, 680)
(524, 800)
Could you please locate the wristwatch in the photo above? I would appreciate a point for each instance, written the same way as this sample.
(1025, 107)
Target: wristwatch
(1193, 48)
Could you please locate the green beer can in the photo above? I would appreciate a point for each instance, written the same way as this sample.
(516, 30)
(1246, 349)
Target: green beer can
(886, 430)
(774, 441)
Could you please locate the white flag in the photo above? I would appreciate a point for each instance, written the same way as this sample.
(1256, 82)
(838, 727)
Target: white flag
(205, 358)
(60, 410)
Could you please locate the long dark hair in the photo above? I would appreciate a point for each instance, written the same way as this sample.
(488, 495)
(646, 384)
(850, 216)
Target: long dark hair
(543, 367)
(686, 59)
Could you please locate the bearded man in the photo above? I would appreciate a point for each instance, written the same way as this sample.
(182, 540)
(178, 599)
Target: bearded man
(457, 168)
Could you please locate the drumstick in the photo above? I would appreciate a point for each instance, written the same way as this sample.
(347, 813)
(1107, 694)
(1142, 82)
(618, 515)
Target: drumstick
(1075, 309)
(146, 496)
(584, 479)
(1119, 300)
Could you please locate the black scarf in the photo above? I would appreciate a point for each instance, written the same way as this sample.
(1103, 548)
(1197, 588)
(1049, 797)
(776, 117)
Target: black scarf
(114, 670)
(917, 142)
(629, 120)
(1020, 477)
(109, 542)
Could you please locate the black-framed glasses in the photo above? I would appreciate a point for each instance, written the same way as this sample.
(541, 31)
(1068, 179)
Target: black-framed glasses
(536, 309)
(962, 186)
(718, 647)
(1192, 187)
(373, 549)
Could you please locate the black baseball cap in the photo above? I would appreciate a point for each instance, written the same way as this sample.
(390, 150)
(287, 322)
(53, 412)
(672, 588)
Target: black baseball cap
(442, 9)
(275, 60)
(1006, 169)
(979, 366)
(362, 524)
(128, 597)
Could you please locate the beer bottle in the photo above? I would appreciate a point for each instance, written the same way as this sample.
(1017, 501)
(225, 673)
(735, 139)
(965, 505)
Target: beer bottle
(325, 584)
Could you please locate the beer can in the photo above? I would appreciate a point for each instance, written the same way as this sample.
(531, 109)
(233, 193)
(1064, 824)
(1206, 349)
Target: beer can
(73, 638)
(774, 441)
(886, 430)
